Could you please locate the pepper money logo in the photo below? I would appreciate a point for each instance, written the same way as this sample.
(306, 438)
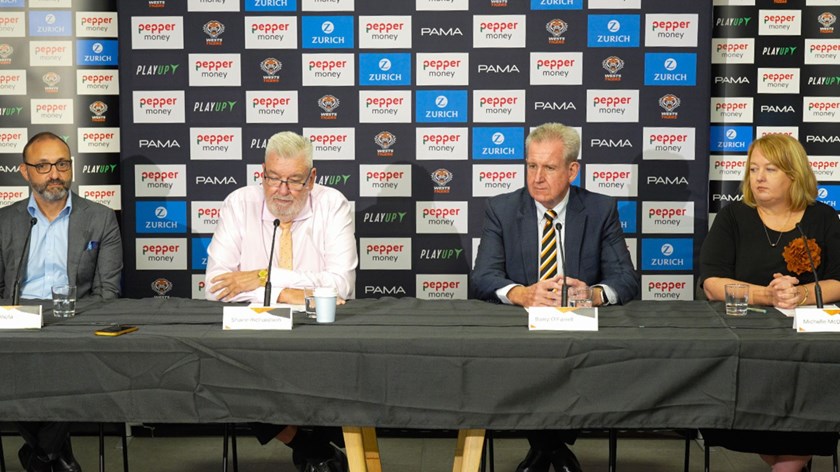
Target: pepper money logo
(385, 253)
(160, 180)
(499, 31)
(108, 195)
(157, 32)
(161, 253)
(441, 217)
(441, 286)
(668, 287)
(333, 144)
(97, 82)
(159, 106)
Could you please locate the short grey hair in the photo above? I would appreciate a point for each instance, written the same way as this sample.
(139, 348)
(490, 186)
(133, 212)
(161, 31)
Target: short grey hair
(289, 145)
(556, 131)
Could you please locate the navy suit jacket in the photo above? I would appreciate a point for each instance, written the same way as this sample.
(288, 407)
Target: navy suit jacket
(596, 251)
(94, 248)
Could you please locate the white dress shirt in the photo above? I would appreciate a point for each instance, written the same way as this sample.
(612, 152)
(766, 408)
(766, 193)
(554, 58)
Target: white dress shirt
(323, 243)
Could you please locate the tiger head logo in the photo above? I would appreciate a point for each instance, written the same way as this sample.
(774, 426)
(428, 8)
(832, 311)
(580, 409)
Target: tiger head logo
(557, 27)
(271, 65)
(328, 103)
(613, 64)
(98, 108)
(441, 177)
(6, 51)
(385, 139)
(669, 102)
(214, 28)
(161, 286)
(51, 79)
(827, 19)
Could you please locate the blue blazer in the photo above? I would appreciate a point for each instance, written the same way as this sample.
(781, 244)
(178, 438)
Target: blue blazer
(596, 251)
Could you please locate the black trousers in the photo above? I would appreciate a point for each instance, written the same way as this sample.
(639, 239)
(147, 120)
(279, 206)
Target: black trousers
(548, 439)
(266, 432)
(46, 438)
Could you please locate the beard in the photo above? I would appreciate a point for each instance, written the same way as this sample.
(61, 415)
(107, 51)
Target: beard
(53, 194)
(288, 207)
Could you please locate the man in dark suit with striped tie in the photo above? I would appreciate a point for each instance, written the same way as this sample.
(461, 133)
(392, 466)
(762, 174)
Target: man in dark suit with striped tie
(517, 261)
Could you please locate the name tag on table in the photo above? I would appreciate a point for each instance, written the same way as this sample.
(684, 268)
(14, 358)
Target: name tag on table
(257, 317)
(21, 317)
(816, 320)
(542, 318)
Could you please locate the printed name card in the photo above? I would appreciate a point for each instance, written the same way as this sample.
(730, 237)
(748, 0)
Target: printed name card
(816, 320)
(21, 317)
(257, 317)
(541, 318)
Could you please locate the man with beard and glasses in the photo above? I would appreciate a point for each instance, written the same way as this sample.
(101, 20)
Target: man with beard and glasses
(74, 241)
(315, 247)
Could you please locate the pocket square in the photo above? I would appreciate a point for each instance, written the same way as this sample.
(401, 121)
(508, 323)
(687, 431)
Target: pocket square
(92, 245)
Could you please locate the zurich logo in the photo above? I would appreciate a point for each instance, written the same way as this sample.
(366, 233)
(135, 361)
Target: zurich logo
(667, 250)
(498, 139)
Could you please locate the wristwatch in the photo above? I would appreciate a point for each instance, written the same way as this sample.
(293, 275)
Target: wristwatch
(604, 299)
(263, 274)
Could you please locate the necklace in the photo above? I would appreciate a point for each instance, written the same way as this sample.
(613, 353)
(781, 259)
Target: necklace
(769, 241)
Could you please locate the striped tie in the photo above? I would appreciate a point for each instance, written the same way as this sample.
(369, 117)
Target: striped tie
(548, 247)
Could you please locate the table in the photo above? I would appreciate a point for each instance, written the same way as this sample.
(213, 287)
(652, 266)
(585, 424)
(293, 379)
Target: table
(408, 363)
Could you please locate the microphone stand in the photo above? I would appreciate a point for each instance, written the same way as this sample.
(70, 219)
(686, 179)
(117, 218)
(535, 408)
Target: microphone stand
(16, 287)
(267, 297)
(564, 289)
(817, 289)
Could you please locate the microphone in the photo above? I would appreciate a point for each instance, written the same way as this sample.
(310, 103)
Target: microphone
(16, 287)
(267, 297)
(564, 289)
(817, 289)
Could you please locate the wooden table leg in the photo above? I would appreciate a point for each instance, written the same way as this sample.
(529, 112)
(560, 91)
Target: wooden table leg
(468, 451)
(362, 449)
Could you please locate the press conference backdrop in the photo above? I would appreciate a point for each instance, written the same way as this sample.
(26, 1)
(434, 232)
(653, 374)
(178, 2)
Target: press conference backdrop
(418, 111)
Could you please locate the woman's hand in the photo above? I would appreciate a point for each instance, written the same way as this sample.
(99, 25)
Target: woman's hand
(785, 291)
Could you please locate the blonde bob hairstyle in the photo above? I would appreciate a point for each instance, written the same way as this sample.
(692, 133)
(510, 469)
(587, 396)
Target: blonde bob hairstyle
(789, 156)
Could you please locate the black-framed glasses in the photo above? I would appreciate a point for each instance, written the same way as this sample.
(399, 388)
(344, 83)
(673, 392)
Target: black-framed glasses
(292, 184)
(46, 167)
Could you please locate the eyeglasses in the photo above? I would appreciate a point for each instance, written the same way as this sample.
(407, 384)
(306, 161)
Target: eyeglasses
(46, 167)
(293, 184)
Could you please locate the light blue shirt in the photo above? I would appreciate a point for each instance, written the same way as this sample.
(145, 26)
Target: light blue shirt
(47, 264)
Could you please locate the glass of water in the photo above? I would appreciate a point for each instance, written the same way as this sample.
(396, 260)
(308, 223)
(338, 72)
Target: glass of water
(64, 301)
(737, 299)
(309, 301)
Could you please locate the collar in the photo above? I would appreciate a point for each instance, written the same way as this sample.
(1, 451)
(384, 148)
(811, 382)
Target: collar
(32, 206)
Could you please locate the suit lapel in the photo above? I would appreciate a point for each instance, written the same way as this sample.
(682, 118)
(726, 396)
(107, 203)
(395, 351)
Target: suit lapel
(575, 230)
(528, 239)
(77, 237)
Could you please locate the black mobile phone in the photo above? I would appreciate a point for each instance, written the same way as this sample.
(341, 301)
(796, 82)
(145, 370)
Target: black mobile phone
(115, 330)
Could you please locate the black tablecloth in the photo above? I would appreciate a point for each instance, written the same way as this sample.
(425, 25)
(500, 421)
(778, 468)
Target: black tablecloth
(425, 364)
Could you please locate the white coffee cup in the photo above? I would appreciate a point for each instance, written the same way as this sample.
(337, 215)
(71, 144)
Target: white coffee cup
(325, 300)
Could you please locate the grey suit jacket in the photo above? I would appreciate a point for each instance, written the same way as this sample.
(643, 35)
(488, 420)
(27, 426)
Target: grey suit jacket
(596, 251)
(94, 248)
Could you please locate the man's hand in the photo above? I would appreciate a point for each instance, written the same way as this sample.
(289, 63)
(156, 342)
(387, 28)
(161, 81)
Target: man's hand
(231, 284)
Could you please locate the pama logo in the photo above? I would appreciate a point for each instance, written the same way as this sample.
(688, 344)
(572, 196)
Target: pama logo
(214, 30)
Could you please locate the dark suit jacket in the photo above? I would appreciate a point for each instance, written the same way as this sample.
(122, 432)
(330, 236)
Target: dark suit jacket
(94, 248)
(594, 243)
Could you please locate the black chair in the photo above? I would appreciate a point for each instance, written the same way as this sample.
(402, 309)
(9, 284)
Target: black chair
(101, 434)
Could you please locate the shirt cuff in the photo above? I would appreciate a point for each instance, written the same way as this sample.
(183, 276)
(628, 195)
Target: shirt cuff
(612, 297)
(501, 294)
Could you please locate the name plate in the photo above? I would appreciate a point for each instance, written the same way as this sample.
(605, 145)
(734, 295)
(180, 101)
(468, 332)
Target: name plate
(21, 317)
(542, 318)
(816, 320)
(257, 317)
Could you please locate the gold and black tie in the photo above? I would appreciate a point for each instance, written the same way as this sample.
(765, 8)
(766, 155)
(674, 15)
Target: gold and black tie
(548, 247)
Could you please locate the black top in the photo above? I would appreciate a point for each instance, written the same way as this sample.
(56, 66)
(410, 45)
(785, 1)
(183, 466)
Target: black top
(737, 248)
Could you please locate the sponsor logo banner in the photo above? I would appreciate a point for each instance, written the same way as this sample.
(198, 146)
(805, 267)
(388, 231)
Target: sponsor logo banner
(822, 51)
(441, 217)
(830, 195)
(270, 32)
(779, 22)
(667, 254)
(332, 144)
(498, 106)
(732, 110)
(441, 106)
(499, 31)
(384, 180)
(219, 5)
(667, 287)
(97, 82)
(617, 180)
(51, 53)
(12, 24)
(13, 82)
(199, 253)
(385, 253)
(198, 287)
(730, 138)
(270, 5)
(727, 167)
(442, 286)
(556, 68)
(761, 131)
(160, 106)
(14, 3)
(558, 4)
(392, 106)
(98, 140)
(161, 217)
(782, 80)
(679, 69)
(612, 106)
(215, 144)
(498, 143)
(108, 195)
(161, 253)
(384, 32)
(384, 69)
(826, 168)
(491, 180)
(157, 32)
(160, 180)
(215, 70)
(327, 32)
(615, 4)
(613, 31)
(668, 217)
(669, 144)
(12, 194)
(437, 5)
(271, 107)
(820, 109)
(12, 140)
(328, 69)
(51, 111)
(450, 69)
(671, 30)
(627, 215)
(50, 23)
(733, 50)
(442, 143)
